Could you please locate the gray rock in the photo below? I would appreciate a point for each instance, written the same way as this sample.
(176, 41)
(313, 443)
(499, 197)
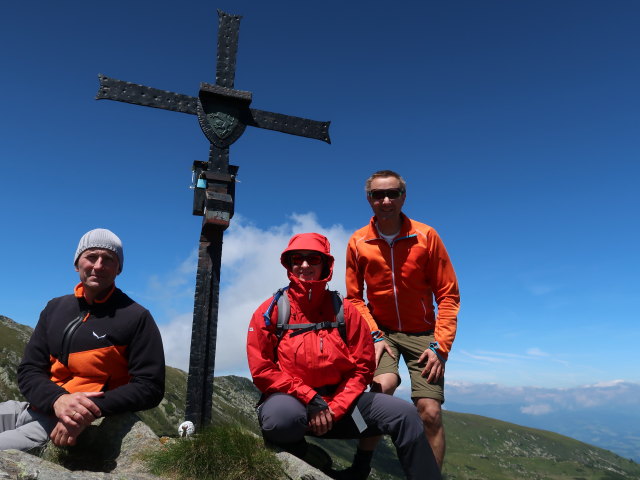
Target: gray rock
(17, 465)
(112, 447)
(296, 469)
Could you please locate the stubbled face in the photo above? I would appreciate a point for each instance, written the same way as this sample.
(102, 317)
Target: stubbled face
(98, 269)
(386, 208)
(305, 265)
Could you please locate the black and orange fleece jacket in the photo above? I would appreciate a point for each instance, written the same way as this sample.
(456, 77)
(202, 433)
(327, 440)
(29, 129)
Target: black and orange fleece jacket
(116, 349)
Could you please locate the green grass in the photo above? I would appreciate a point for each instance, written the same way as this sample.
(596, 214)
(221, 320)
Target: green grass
(216, 453)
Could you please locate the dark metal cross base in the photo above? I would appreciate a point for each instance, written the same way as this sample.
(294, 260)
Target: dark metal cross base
(223, 114)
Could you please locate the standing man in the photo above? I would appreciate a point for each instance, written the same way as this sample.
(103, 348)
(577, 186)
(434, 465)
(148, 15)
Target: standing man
(404, 266)
(93, 353)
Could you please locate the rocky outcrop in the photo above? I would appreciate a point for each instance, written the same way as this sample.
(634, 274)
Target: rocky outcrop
(15, 465)
(110, 448)
(111, 444)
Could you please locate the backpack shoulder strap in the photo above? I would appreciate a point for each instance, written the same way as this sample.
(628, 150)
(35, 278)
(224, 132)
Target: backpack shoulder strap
(284, 312)
(277, 296)
(338, 309)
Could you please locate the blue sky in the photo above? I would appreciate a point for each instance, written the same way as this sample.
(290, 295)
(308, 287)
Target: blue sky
(515, 123)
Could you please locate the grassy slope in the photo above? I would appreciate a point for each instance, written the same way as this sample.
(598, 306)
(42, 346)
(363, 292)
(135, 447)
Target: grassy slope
(165, 418)
(484, 448)
(13, 338)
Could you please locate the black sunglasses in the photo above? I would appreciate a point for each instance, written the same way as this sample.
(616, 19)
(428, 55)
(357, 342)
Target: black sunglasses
(391, 193)
(311, 258)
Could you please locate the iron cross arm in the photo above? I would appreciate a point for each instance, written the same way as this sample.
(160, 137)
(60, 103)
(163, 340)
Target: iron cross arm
(121, 91)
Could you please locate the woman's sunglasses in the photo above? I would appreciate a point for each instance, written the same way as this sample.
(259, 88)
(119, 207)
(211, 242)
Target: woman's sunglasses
(311, 258)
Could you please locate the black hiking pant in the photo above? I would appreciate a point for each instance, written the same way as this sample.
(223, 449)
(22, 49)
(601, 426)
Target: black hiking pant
(283, 420)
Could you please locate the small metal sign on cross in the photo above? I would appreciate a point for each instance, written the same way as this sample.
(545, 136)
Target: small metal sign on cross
(223, 114)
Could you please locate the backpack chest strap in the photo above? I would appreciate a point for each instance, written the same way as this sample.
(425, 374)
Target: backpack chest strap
(308, 327)
(281, 299)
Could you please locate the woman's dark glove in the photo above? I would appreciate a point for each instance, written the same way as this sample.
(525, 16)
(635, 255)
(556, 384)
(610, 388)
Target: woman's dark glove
(316, 404)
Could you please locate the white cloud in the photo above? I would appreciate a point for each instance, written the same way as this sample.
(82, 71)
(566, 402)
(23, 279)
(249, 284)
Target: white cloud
(487, 357)
(251, 272)
(504, 357)
(176, 337)
(539, 401)
(539, 409)
(521, 366)
(612, 383)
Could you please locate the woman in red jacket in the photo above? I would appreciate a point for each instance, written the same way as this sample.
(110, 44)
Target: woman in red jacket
(313, 381)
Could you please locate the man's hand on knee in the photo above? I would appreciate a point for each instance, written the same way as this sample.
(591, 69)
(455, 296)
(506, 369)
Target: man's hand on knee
(75, 409)
(434, 368)
(380, 347)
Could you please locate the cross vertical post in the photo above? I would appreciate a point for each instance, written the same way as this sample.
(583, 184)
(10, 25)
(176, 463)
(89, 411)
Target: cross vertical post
(206, 302)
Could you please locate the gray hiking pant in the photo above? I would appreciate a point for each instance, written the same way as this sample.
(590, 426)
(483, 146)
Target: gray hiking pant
(21, 428)
(283, 420)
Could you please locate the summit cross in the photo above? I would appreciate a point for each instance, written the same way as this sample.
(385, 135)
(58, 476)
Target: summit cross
(223, 114)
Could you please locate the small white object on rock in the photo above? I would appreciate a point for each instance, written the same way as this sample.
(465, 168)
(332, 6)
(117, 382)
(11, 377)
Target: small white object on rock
(186, 429)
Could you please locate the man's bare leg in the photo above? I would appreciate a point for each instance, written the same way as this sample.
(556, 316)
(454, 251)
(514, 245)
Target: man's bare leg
(430, 411)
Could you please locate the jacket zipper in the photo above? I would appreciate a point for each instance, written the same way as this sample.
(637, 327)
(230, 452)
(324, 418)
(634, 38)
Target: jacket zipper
(67, 336)
(393, 278)
(424, 311)
(393, 283)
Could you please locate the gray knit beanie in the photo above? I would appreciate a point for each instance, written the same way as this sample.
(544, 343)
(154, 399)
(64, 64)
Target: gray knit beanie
(100, 238)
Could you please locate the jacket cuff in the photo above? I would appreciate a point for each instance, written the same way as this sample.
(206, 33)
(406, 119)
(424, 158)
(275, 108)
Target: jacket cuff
(337, 409)
(435, 347)
(377, 336)
(51, 410)
(306, 394)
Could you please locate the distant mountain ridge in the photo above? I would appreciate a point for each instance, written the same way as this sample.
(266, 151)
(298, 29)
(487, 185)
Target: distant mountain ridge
(478, 447)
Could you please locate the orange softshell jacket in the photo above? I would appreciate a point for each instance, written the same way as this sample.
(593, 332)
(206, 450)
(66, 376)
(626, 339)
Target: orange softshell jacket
(402, 280)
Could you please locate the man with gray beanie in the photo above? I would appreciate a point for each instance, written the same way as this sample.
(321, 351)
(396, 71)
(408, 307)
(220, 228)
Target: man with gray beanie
(93, 353)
